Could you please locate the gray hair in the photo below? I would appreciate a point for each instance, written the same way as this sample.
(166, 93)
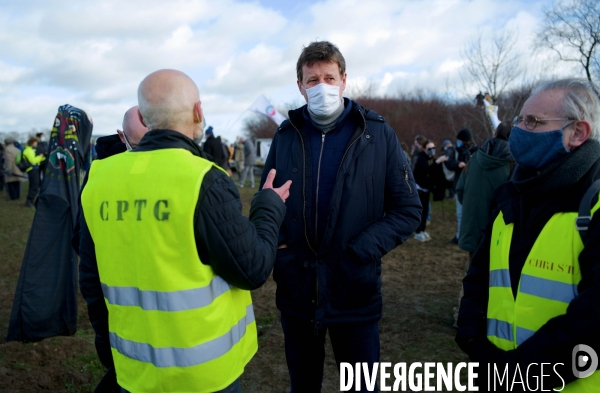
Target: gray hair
(579, 102)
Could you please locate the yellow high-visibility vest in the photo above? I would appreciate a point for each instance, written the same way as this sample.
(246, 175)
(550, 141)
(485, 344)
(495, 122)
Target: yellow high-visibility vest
(174, 325)
(547, 285)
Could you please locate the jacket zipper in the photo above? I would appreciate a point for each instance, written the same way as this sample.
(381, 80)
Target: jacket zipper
(354, 141)
(406, 178)
(317, 190)
(303, 187)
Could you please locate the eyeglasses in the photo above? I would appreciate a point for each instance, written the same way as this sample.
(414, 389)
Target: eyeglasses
(531, 121)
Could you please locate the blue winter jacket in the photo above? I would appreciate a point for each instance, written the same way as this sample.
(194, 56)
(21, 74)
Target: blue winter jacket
(374, 208)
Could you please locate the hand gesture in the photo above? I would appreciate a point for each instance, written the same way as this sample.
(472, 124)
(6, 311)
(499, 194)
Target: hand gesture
(283, 191)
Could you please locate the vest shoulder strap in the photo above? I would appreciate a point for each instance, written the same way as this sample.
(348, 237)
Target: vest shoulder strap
(584, 217)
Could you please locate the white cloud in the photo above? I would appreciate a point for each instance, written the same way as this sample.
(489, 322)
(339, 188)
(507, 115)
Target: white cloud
(93, 55)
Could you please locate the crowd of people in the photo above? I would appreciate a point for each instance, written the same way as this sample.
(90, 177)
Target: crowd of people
(18, 163)
(168, 259)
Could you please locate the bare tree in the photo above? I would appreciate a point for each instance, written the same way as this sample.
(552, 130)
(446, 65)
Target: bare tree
(492, 64)
(259, 126)
(571, 28)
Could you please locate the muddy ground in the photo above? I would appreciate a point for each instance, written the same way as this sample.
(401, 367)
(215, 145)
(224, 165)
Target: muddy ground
(421, 282)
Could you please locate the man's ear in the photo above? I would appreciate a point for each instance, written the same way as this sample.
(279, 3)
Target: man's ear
(582, 131)
(198, 115)
(302, 91)
(121, 137)
(141, 117)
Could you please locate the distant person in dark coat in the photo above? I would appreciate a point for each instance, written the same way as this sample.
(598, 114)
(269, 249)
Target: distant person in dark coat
(487, 170)
(249, 162)
(465, 148)
(214, 148)
(424, 174)
(42, 149)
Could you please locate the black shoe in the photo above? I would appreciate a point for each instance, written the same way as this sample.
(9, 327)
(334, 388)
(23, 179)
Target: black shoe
(454, 240)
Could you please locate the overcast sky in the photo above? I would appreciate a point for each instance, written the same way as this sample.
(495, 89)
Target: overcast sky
(93, 54)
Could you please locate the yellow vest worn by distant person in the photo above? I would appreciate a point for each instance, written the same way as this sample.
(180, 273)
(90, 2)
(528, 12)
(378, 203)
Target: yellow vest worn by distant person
(548, 284)
(174, 325)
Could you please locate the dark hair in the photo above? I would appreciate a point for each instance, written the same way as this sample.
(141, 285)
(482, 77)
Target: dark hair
(404, 146)
(39, 134)
(317, 51)
(32, 140)
(421, 140)
(503, 130)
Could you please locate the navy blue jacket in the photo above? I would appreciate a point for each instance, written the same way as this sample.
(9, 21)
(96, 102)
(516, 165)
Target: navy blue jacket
(374, 208)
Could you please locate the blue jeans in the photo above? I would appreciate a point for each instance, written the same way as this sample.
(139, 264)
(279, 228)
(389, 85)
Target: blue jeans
(305, 349)
(458, 215)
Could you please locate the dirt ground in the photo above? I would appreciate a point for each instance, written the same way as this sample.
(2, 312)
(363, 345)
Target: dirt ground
(420, 287)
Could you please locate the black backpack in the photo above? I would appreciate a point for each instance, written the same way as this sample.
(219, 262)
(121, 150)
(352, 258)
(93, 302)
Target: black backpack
(22, 162)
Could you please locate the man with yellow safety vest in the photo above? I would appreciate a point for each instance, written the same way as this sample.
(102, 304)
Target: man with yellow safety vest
(532, 293)
(167, 259)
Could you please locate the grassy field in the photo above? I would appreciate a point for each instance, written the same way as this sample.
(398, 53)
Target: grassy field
(421, 282)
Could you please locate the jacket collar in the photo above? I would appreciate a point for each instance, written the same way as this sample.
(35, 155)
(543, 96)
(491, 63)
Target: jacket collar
(168, 139)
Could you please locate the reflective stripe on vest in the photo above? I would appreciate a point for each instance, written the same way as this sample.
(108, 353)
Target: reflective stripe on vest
(548, 283)
(166, 301)
(174, 325)
(184, 357)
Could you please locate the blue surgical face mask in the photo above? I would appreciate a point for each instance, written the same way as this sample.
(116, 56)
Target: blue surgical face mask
(431, 152)
(536, 150)
(459, 143)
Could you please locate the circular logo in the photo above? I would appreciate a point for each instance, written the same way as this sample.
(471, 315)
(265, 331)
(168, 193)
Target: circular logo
(270, 111)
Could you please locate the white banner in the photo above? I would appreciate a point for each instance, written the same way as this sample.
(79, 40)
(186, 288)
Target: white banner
(264, 107)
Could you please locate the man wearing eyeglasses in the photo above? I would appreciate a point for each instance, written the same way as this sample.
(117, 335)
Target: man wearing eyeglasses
(532, 293)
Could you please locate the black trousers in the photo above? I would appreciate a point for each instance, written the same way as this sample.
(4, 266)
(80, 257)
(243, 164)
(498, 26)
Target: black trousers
(424, 198)
(14, 190)
(305, 349)
(34, 183)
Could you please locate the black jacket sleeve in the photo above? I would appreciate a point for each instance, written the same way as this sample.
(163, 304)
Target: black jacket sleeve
(89, 284)
(241, 250)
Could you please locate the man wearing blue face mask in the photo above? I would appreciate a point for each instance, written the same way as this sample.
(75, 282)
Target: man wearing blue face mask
(355, 201)
(532, 293)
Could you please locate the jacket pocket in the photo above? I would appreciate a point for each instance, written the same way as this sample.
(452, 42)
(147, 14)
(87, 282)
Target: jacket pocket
(354, 284)
(288, 273)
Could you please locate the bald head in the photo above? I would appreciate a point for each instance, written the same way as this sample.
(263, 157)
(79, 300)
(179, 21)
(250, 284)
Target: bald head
(133, 128)
(169, 99)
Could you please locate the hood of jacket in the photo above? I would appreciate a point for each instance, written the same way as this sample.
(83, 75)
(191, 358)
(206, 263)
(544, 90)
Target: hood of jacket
(494, 153)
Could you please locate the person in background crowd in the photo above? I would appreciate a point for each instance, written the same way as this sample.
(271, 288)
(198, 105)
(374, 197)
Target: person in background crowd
(465, 148)
(449, 151)
(238, 156)
(416, 149)
(13, 175)
(423, 173)
(167, 281)
(226, 156)
(42, 149)
(214, 148)
(354, 202)
(405, 151)
(532, 293)
(488, 168)
(249, 162)
(131, 135)
(2, 164)
(33, 172)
